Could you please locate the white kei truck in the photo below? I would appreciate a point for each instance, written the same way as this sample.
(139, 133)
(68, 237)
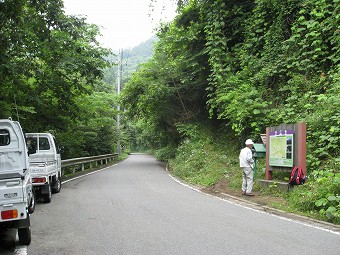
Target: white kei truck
(17, 200)
(44, 164)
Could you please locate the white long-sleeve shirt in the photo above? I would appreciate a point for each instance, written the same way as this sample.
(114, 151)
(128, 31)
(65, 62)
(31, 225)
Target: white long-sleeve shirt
(246, 158)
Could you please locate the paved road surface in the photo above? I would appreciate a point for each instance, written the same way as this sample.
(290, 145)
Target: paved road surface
(135, 207)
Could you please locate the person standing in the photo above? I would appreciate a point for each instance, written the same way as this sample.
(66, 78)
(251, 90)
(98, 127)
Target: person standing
(247, 165)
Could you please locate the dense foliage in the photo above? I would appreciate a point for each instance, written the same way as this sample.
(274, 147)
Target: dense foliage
(50, 68)
(243, 66)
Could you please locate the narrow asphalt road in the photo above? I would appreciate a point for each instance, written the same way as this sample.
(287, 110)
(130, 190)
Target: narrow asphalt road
(135, 207)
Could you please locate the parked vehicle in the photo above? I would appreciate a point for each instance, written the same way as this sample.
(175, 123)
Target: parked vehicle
(17, 200)
(44, 164)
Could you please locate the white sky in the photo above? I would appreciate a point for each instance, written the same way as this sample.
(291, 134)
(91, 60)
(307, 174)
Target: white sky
(127, 23)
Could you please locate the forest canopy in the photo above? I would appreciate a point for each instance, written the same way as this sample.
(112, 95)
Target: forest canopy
(50, 65)
(237, 66)
(242, 66)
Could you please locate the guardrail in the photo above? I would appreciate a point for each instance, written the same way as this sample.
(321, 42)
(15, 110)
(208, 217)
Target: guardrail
(97, 160)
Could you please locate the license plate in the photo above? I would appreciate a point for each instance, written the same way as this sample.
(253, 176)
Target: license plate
(37, 170)
(10, 195)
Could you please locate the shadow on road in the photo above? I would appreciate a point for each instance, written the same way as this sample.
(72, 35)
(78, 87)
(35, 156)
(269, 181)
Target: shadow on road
(7, 241)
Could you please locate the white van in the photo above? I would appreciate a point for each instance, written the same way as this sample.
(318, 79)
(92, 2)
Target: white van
(44, 164)
(17, 198)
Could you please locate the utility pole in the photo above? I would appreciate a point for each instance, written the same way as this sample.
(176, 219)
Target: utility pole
(119, 77)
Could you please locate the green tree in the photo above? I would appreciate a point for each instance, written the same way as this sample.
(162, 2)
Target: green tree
(170, 88)
(50, 63)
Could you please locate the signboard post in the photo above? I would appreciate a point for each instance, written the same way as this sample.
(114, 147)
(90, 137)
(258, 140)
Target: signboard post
(286, 148)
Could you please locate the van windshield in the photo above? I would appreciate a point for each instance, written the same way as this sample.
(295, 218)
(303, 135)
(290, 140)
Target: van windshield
(4, 137)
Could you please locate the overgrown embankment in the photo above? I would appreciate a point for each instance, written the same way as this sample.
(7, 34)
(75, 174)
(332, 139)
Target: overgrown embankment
(210, 160)
(204, 157)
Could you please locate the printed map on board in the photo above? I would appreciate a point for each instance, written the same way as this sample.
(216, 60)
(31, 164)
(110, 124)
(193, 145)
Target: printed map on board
(281, 150)
(278, 148)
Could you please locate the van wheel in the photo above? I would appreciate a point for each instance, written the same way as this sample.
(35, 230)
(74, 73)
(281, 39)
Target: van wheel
(48, 197)
(57, 185)
(31, 206)
(24, 235)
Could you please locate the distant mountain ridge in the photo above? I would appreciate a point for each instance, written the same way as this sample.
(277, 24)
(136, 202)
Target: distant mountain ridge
(136, 56)
(132, 59)
(144, 49)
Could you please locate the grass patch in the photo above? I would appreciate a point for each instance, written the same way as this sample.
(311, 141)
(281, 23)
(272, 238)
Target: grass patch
(202, 161)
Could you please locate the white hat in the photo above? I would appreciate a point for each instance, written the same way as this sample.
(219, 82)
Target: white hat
(249, 141)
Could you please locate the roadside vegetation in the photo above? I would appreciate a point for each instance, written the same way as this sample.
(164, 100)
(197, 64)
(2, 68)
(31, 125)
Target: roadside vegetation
(205, 159)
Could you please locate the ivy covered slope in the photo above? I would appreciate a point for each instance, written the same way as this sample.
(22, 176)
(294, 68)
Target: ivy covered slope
(51, 68)
(239, 67)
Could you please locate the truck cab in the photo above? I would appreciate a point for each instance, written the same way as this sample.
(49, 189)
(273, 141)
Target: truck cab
(44, 164)
(17, 198)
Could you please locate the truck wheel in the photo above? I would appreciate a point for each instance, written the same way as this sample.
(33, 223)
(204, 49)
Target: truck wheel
(57, 185)
(24, 235)
(48, 197)
(31, 206)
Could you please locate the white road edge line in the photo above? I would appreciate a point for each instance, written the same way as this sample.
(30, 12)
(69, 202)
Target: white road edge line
(249, 208)
(20, 249)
